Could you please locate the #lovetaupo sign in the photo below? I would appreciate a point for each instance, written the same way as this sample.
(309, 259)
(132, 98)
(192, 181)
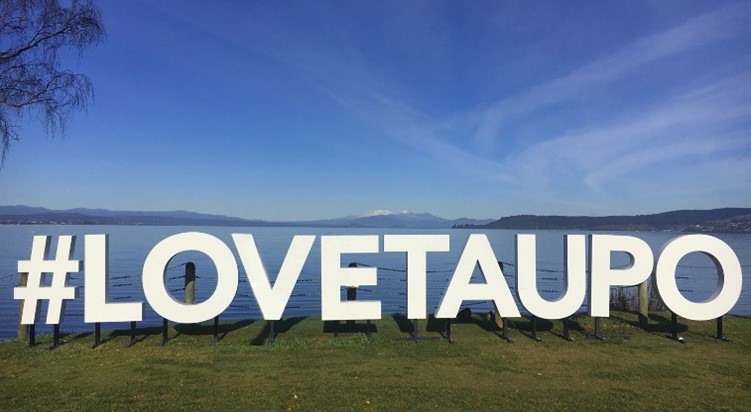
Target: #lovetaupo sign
(584, 279)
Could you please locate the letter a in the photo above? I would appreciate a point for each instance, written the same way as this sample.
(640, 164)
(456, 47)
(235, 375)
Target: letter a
(477, 251)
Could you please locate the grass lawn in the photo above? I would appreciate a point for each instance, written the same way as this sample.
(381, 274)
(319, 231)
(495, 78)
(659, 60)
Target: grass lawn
(307, 369)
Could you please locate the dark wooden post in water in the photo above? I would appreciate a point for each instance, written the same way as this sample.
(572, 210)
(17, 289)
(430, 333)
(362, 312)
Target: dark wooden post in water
(351, 295)
(500, 321)
(23, 330)
(190, 283)
(190, 297)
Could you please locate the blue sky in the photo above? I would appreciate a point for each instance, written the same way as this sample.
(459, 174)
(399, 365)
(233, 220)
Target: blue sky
(306, 110)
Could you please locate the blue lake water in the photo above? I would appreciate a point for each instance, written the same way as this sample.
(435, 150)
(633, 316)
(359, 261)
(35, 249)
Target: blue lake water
(129, 246)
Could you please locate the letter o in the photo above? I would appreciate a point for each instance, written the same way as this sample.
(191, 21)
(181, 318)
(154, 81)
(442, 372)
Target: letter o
(729, 277)
(154, 274)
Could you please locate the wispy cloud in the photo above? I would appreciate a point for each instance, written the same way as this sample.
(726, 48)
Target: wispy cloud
(690, 125)
(705, 122)
(702, 30)
(687, 125)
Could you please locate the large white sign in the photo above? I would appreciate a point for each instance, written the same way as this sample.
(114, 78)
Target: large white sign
(272, 299)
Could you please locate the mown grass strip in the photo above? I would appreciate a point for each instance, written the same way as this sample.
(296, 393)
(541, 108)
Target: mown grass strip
(306, 369)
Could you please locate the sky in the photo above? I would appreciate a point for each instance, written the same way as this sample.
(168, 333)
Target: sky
(307, 110)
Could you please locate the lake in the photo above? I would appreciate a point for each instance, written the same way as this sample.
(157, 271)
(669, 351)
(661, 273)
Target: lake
(129, 246)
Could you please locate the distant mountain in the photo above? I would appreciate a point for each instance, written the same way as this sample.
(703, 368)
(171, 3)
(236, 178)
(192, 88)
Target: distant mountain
(404, 219)
(22, 210)
(728, 220)
(82, 216)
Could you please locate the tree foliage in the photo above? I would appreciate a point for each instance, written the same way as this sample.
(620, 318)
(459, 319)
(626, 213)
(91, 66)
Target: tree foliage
(32, 33)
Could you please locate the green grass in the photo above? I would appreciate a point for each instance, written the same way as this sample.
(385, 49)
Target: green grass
(306, 369)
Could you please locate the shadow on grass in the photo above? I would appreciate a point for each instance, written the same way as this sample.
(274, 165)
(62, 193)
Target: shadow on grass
(336, 327)
(77, 335)
(280, 326)
(525, 326)
(404, 324)
(141, 334)
(432, 325)
(207, 328)
(658, 325)
(484, 320)
(63, 338)
(573, 326)
(437, 325)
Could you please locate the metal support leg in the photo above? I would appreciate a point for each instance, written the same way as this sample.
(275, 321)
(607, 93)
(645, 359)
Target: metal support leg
(55, 337)
(567, 330)
(505, 334)
(97, 335)
(132, 334)
(216, 329)
(674, 334)
(719, 328)
(32, 335)
(534, 329)
(415, 335)
(367, 331)
(271, 337)
(165, 336)
(448, 331)
(719, 334)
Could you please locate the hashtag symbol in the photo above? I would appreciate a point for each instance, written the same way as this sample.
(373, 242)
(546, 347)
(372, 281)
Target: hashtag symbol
(37, 267)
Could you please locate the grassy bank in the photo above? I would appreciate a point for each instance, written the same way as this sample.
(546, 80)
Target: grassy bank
(307, 369)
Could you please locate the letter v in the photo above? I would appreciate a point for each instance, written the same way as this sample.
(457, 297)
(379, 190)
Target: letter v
(272, 300)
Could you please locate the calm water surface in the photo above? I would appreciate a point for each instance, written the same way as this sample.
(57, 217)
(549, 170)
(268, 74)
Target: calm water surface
(129, 246)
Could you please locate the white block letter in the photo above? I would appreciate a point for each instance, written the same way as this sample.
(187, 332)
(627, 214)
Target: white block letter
(96, 287)
(417, 248)
(575, 278)
(729, 277)
(477, 251)
(603, 276)
(154, 273)
(334, 276)
(273, 300)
